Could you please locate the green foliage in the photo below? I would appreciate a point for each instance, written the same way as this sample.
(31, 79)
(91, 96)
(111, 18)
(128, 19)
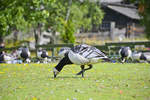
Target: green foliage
(20, 15)
(146, 16)
(68, 32)
(23, 15)
(82, 15)
(144, 6)
(106, 81)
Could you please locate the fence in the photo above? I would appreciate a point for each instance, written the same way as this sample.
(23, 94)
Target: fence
(52, 47)
(110, 49)
(114, 47)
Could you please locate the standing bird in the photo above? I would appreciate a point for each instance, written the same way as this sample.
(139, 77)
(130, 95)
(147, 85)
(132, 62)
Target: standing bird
(125, 53)
(81, 55)
(43, 54)
(24, 53)
(138, 56)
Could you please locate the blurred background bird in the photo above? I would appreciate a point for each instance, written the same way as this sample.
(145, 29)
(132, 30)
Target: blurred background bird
(24, 54)
(43, 56)
(125, 53)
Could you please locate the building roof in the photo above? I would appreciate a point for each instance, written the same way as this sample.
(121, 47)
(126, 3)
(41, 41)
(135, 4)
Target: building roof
(129, 11)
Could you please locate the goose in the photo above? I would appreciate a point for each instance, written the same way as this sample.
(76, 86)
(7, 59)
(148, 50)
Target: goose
(43, 54)
(82, 55)
(138, 56)
(145, 56)
(24, 53)
(125, 53)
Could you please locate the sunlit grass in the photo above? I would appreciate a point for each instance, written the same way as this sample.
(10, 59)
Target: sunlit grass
(105, 81)
(97, 41)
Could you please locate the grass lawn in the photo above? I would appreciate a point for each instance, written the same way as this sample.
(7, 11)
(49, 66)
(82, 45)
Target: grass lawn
(106, 81)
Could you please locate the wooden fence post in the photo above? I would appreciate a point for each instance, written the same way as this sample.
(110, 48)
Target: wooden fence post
(112, 28)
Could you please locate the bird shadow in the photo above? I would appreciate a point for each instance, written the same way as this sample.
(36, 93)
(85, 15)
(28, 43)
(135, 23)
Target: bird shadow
(68, 77)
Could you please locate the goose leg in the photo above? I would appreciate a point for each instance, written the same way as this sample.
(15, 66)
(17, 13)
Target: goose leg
(90, 66)
(83, 70)
(82, 67)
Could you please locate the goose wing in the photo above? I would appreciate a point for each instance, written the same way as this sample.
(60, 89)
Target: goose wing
(84, 54)
(88, 52)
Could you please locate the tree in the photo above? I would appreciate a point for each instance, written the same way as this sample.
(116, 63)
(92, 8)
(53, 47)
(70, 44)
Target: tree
(145, 5)
(144, 9)
(64, 16)
(21, 15)
(79, 14)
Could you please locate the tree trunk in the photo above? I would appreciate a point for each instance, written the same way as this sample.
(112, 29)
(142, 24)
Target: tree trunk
(37, 34)
(68, 10)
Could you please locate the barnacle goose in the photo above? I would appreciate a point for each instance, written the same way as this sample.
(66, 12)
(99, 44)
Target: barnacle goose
(140, 56)
(80, 55)
(137, 56)
(43, 54)
(24, 53)
(125, 53)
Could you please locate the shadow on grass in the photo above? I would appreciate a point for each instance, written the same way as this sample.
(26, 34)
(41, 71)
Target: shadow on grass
(68, 77)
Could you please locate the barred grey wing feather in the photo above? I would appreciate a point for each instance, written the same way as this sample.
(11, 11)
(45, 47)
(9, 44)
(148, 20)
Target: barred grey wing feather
(88, 51)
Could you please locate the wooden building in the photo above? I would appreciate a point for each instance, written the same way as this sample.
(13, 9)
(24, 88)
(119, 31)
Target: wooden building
(121, 19)
(122, 14)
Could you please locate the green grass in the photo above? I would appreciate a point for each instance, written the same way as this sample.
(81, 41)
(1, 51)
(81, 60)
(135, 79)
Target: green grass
(106, 81)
